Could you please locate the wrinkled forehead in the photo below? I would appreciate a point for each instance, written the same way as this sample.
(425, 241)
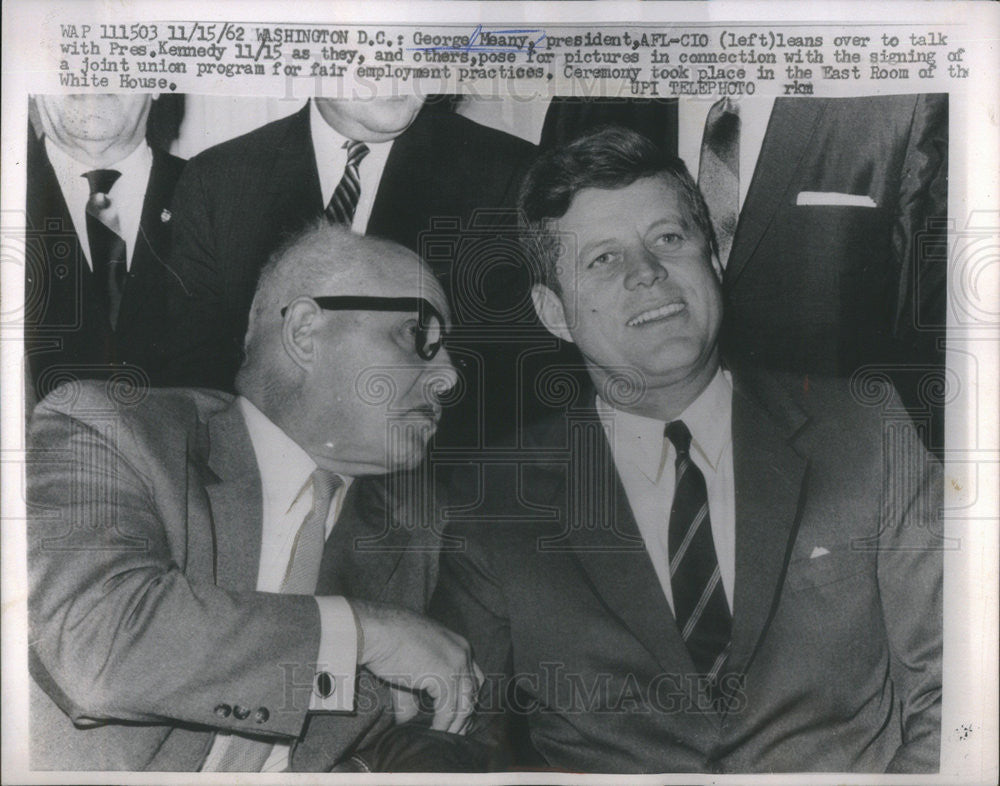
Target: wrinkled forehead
(421, 283)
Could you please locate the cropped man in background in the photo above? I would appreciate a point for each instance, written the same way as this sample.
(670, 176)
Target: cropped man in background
(98, 219)
(216, 582)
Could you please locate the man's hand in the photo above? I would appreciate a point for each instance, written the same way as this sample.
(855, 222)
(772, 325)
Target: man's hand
(413, 652)
(405, 704)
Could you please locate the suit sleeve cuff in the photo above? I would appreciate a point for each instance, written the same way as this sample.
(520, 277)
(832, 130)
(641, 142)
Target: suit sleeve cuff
(337, 660)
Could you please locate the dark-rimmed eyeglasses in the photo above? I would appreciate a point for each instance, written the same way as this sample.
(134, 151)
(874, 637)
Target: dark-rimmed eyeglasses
(430, 332)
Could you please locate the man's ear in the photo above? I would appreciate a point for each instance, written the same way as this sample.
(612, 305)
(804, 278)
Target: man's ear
(550, 311)
(298, 331)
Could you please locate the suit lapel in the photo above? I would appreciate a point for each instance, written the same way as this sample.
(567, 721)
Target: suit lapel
(154, 233)
(769, 480)
(606, 541)
(787, 139)
(400, 209)
(235, 497)
(295, 195)
(61, 294)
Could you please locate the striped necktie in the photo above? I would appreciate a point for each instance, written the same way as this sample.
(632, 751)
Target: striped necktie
(248, 754)
(700, 607)
(344, 201)
(719, 172)
(107, 246)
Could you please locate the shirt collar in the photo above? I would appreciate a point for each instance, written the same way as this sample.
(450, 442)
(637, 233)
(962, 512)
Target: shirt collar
(634, 438)
(128, 193)
(284, 466)
(640, 439)
(709, 418)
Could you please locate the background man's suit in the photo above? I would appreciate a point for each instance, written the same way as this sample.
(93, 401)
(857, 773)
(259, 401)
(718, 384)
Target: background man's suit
(66, 325)
(837, 610)
(238, 200)
(143, 551)
(827, 288)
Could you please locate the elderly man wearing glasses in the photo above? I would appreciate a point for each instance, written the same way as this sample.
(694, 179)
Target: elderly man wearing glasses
(225, 583)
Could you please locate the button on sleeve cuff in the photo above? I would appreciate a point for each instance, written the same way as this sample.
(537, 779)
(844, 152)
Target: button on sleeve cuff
(337, 660)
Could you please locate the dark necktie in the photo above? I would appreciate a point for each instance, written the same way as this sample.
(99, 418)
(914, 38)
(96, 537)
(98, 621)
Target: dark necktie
(719, 171)
(107, 247)
(700, 606)
(344, 201)
(246, 754)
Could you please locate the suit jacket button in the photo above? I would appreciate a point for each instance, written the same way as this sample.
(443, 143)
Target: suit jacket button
(223, 710)
(324, 685)
(261, 715)
(240, 712)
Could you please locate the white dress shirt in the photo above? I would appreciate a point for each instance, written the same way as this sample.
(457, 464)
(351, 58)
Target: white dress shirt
(285, 470)
(754, 116)
(331, 158)
(126, 195)
(645, 460)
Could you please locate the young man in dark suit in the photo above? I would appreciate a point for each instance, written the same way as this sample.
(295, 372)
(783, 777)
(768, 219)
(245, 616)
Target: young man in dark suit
(98, 243)
(698, 566)
(837, 230)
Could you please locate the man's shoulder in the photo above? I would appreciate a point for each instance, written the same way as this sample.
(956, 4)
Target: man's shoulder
(169, 165)
(453, 134)
(260, 143)
(789, 395)
(130, 405)
(507, 145)
(827, 419)
(42, 185)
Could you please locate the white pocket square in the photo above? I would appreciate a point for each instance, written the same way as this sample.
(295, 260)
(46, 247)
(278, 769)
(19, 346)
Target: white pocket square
(834, 198)
(818, 551)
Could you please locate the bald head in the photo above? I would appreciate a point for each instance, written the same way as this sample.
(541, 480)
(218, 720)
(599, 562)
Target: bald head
(328, 259)
(306, 366)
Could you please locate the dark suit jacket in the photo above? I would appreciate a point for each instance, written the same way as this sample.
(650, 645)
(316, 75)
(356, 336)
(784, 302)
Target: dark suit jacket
(143, 550)
(67, 330)
(238, 200)
(827, 288)
(836, 639)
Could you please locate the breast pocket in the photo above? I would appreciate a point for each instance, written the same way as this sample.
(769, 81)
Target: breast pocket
(835, 566)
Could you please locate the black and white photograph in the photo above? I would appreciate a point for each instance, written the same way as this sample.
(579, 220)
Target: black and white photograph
(501, 393)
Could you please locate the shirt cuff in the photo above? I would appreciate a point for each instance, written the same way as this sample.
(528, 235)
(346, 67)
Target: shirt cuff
(337, 660)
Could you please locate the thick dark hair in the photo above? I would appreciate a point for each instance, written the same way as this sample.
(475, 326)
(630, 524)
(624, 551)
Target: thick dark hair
(609, 157)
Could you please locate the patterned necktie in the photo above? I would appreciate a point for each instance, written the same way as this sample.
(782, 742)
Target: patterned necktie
(719, 171)
(307, 551)
(344, 201)
(107, 247)
(700, 606)
(247, 754)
